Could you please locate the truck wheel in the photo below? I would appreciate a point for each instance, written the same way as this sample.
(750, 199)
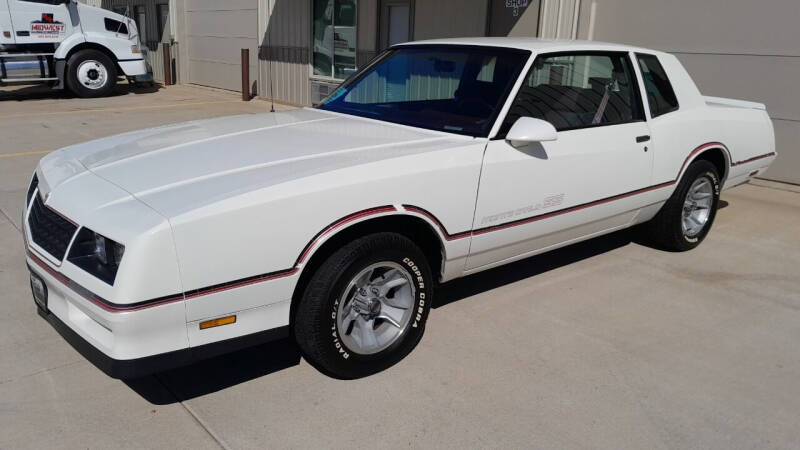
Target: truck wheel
(685, 219)
(90, 73)
(365, 307)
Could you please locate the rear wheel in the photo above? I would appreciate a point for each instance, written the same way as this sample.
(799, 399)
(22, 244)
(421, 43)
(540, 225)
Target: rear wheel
(90, 73)
(365, 307)
(686, 218)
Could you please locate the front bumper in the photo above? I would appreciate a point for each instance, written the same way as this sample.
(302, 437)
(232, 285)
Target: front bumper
(116, 368)
(126, 339)
(139, 367)
(132, 68)
(128, 344)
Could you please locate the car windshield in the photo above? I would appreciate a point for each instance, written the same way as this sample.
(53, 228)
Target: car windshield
(453, 88)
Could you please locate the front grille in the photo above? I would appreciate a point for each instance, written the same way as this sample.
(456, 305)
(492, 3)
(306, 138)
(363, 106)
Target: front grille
(49, 230)
(31, 188)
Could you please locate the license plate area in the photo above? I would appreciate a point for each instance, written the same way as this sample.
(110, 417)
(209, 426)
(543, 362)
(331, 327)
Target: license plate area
(39, 290)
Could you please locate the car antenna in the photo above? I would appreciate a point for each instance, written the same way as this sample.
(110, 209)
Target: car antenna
(269, 60)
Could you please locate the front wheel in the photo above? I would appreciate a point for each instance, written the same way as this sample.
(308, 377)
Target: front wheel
(686, 218)
(90, 73)
(365, 307)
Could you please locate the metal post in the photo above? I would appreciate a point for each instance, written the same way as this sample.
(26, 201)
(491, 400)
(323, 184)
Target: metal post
(245, 74)
(167, 64)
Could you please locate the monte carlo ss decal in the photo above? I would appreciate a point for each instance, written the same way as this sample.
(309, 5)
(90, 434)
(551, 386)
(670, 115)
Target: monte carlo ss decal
(548, 202)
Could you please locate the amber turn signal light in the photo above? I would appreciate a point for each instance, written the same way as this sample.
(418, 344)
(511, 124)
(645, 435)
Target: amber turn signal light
(217, 322)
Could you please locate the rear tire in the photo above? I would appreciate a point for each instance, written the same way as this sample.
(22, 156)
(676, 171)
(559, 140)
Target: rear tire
(686, 218)
(90, 73)
(365, 307)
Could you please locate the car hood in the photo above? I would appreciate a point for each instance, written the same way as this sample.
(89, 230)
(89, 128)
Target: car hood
(184, 166)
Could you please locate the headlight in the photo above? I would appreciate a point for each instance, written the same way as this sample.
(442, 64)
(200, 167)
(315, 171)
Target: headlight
(96, 254)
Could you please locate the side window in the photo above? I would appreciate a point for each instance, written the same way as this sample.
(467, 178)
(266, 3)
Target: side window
(577, 91)
(660, 95)
(115, 26)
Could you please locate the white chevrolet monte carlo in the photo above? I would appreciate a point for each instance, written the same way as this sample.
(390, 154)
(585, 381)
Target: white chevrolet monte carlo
(335, 224)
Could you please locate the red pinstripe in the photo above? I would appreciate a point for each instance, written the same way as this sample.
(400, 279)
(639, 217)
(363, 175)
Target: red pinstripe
(356, 216)
(339, 223)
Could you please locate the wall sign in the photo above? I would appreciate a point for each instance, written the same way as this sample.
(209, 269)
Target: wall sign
(515, 5)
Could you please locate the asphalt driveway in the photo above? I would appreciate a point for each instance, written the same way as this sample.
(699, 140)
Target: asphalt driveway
(604, 344)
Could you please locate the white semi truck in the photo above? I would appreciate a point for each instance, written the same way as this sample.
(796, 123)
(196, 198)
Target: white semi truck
(69, 45)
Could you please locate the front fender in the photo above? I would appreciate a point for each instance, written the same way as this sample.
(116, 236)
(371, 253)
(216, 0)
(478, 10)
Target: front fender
(67, 45)
(120, 47)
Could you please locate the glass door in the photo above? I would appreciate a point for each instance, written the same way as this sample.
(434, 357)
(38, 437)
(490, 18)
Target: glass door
(397, 18)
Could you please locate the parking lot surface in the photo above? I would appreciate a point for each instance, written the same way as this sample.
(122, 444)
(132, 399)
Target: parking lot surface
(604, 344)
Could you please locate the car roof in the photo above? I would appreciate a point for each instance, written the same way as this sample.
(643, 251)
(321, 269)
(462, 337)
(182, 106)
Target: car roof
(535, 45)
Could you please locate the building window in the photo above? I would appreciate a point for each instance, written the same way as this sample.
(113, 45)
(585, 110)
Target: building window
(141, 24)
(334, 31)
(163, 20)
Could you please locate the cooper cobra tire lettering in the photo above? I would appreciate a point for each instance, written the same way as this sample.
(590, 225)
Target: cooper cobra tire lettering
(420, 291)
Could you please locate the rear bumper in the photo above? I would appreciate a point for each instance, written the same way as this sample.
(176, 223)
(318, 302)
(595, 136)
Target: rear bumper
(134, 368)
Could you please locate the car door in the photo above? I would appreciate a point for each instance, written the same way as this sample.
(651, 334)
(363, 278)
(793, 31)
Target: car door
(40, 21)
(6, 30)
(541, 195)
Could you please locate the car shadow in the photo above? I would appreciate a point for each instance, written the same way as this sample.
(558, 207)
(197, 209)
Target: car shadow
(214, 374)
(41, 92)
(510, 273)
(228, 370)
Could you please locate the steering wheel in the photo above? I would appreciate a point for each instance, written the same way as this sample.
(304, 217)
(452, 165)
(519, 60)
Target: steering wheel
(475, 104)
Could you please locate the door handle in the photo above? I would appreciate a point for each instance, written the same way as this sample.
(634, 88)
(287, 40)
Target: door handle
(640, 139)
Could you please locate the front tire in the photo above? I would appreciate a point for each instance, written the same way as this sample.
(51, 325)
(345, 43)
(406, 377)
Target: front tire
(686, 218)
(90, 73)
(365, 307)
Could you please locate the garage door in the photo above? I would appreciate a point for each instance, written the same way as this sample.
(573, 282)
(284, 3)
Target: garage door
(216, 32)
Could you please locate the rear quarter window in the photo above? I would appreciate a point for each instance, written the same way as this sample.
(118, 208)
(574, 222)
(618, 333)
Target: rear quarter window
(660, 95)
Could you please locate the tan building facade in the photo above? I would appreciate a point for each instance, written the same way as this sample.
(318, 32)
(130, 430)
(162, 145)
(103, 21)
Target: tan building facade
(301, 49)
(733, 48)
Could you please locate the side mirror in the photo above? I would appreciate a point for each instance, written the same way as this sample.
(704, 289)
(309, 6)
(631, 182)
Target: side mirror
(527, 130)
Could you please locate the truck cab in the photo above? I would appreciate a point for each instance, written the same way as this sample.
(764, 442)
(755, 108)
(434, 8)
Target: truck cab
(68, 45)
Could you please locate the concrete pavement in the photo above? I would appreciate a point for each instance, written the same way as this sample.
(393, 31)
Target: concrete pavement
(604, 344)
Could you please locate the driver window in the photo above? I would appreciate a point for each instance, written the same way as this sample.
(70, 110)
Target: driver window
(577, 91)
